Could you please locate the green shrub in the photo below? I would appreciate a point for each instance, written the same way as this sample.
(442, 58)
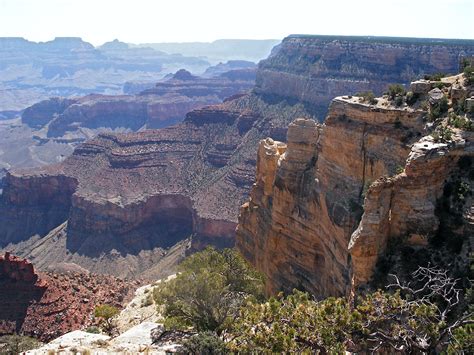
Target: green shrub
(469, 74)
(458, 106)
(411, 98)
(93, 330)
(460, 122)
(293, 324)
(442, 134)
(398, 100)
(368, 97)
(434, 77)
(208, 290)
(440, 108)
(106, 314)
(206, 343)
(395, 90)
(418, 317)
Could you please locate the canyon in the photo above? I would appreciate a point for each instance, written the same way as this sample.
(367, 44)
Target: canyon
(133, 204)
(50, 129)
(315, 69)
(69, 66)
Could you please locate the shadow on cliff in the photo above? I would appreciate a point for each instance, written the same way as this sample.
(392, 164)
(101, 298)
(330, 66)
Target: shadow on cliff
(15, 298)
(161, 231)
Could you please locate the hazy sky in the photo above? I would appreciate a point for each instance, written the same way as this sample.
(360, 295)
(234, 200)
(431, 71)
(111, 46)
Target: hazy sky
(140, 21)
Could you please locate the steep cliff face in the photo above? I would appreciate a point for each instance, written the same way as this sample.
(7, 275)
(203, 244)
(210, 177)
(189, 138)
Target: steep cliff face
(306, 204)
(41, 113)
(301, 225)
(315, 69)
(411, 208)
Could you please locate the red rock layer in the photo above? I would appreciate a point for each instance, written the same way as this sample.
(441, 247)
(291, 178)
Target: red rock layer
(48, 305)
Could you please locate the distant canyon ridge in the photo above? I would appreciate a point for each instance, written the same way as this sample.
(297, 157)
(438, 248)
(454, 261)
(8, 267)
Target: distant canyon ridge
(69, 66)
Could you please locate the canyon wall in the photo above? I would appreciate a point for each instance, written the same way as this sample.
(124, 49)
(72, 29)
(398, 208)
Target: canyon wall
(163, 105)
(206, 166)
(315, 69)
(326, 204)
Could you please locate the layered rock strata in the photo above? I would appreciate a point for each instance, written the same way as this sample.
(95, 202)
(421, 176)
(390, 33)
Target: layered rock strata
(302, 225)
(127, 199)
(315, 69)
(163, 105)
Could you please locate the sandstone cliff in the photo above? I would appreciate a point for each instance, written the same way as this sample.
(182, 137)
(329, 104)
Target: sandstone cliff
(301, 225)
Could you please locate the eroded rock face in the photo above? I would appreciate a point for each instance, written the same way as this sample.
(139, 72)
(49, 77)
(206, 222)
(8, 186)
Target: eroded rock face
(163, 105)
(326, 205)
(406, 208)
(133, 196)
(315, 69)
(47, 305)
(308, 195)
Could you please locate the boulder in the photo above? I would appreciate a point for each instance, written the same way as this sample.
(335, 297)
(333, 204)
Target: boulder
(420, 87)
(435, 96)
(458, 93)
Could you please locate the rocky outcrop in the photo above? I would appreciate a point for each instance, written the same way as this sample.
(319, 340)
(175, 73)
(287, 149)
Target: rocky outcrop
(308, 195)
(302, 225)
(48, 305)
(315, 69)
(41, 113)
(409, 209)
(19, 271)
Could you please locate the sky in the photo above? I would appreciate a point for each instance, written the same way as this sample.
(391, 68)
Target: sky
(148, 21)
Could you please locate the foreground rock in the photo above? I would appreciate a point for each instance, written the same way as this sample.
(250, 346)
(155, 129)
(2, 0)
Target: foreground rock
(139, 327)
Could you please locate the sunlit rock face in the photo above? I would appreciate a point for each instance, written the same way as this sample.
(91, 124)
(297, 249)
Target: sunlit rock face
(326, 204)
(315, 69)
